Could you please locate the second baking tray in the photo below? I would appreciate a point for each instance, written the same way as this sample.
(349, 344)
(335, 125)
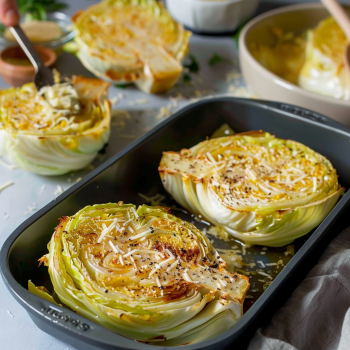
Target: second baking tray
(134, 171)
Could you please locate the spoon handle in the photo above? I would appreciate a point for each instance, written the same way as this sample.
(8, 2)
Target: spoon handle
(27, 47)
(339, 14)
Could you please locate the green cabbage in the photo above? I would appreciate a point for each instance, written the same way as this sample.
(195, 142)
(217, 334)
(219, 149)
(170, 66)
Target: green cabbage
(55, 131)
(143, 273)
(261, 189)
(323, 71)
(124, 41)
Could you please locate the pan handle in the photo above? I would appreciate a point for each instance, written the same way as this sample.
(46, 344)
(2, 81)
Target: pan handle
(305, 113)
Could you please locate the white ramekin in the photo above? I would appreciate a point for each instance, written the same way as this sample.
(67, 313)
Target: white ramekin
(210, 16)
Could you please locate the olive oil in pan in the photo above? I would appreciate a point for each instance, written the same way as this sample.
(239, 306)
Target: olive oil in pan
(261, 264)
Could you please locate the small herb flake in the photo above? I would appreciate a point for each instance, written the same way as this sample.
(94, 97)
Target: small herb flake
(235, 37)
(217, 59)
(120, 86)
(186, 78)
(193, 65)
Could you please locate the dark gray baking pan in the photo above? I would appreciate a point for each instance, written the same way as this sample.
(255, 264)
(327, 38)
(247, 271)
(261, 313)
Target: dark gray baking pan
(134, 170)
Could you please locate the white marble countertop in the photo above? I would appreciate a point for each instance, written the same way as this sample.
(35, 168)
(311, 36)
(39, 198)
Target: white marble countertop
(133, 115)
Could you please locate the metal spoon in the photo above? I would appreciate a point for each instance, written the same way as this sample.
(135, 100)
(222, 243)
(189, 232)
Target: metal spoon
(343, 20)
(44, 76)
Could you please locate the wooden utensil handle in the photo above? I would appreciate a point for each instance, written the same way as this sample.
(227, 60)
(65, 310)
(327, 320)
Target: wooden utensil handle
(339, 14)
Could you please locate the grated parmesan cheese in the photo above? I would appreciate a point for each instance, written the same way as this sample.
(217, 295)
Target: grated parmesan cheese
(158, 282)
(225, 144)
(219, 232)
(134, 211)
(121, 259)
(114, 100)
(113, 247)
(32, 207)
(289, 250)
(5, 185)
(154, 270)
(133, 261)
(173, 265)
(234, 74)
(106, 230)
(262, 264)
(126, 222)
(141, 101)
(211, 158)
(265, 274)
(163, 112)
(58, 191)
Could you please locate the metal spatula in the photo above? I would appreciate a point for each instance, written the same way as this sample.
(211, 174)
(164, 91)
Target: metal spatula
(44, 76)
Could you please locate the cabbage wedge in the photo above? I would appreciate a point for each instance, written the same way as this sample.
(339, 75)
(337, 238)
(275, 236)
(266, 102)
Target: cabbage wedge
(323, 71)
(143, 273)
(124, 41)
(261, 189)
(56, 130)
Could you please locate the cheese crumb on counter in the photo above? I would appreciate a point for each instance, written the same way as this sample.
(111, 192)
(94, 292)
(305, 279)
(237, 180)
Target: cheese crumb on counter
(58, 191)
(5, 185)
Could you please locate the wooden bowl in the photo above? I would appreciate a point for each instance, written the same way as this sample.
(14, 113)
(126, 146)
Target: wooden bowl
(17, 74)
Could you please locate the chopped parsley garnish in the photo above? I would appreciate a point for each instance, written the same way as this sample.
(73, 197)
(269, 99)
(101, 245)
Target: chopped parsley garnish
(120, 86)
(235, 37)
(187, 78)
(217, 59)
(193, 65)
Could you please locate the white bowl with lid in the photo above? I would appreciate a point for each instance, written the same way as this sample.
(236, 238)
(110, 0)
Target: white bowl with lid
(211, 16)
